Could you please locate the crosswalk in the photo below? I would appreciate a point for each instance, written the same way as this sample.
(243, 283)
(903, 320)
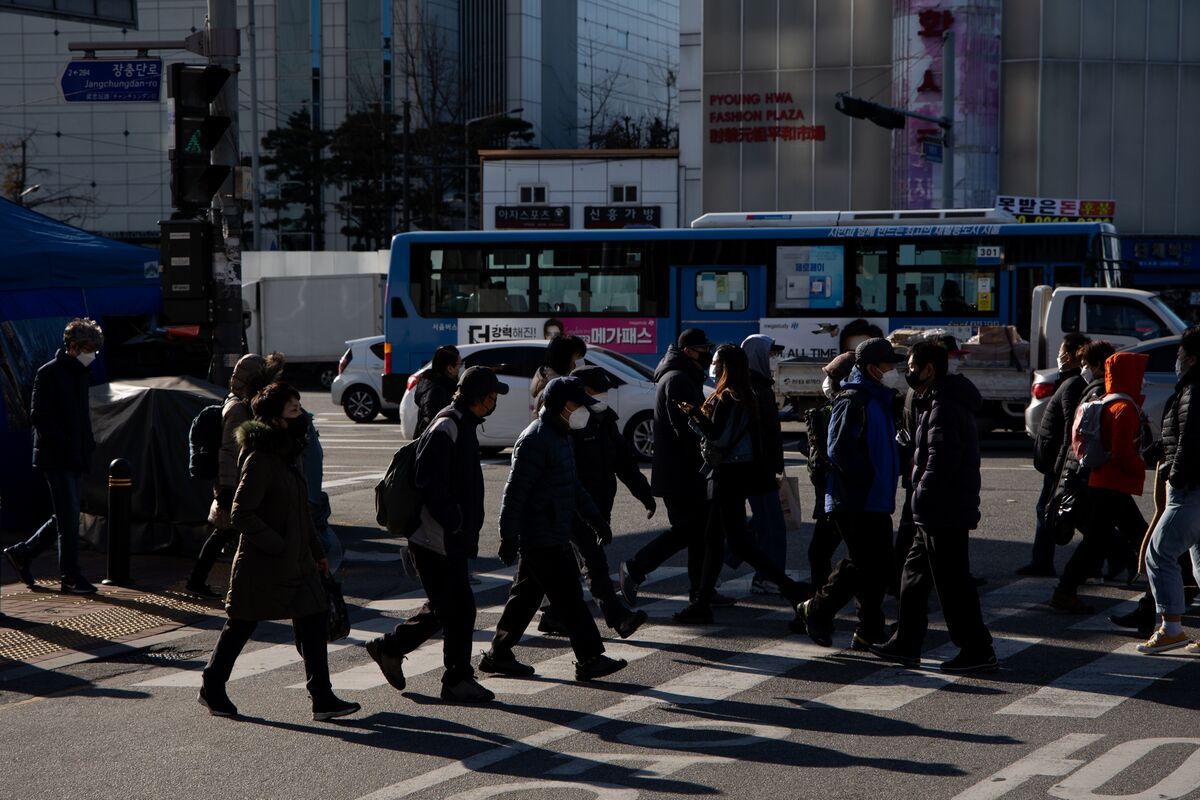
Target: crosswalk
(1086, 690)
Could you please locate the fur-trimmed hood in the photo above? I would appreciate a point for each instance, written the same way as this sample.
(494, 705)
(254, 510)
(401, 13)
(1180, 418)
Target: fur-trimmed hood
(256, 436)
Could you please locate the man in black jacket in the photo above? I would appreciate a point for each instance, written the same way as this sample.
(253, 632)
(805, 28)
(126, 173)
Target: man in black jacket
(62, 451)
(450, 478)
(676, 474)
(1050, 449)
(945, 504)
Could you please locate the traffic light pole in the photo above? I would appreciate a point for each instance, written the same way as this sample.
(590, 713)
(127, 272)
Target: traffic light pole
(228, 334)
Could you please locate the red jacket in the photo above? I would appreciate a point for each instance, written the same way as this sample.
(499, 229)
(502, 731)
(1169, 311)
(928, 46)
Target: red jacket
(1121, 426)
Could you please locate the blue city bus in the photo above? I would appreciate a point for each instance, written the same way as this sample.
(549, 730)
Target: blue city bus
(798, 277)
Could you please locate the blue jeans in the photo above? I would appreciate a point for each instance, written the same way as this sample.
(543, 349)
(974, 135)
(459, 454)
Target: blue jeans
(1177, 532)
(770, 531)
(1043, 537)
(63, 526)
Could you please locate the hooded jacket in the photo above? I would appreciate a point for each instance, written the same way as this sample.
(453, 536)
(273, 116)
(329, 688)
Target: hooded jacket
(543, 493)
(450, 479)
(861, 446)
(61, 417)
(946, 478)
(1121, 426)
(1181, 439)
(1054, 431)
(250, 375)
(274, 574)
(602, 456)
(677, 461)
(758, 353)
(432, 393)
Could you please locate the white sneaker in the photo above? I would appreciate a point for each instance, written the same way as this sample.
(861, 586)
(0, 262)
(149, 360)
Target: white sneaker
(1193, 649)
(763, 586)
(1161, 641)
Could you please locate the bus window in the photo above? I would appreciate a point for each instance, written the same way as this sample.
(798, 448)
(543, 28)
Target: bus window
(469, 280)
(721, 291)
(870, 294)
(941, 279)
(591, 279)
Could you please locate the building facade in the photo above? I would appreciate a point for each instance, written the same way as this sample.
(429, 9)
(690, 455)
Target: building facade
(1063, 100)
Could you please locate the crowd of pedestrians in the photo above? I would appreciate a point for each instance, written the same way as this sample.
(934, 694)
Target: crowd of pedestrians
(716, 451)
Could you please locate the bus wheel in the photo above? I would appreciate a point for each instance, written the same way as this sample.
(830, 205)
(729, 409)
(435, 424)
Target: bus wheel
(639, 433)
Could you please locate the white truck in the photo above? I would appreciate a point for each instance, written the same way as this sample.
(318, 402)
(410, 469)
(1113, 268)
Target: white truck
(1119, 316)
(309, 319)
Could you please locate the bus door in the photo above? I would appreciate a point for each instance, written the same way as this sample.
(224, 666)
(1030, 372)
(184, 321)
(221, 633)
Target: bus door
(727, 302)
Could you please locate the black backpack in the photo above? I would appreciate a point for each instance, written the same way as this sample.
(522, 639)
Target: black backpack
(204, 443)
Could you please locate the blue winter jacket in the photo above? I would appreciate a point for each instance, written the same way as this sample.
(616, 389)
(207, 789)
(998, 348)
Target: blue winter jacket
(865, 462)
(543, 492)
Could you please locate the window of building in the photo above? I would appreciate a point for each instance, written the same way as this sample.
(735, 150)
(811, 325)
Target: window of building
(625, 193)
(721, 290)
(533, 194)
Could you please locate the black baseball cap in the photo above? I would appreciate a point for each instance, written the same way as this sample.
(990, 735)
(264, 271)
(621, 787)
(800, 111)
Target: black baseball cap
(480, 382)
(561, 391)
(595, 378)
(876, 351)
(693, 337)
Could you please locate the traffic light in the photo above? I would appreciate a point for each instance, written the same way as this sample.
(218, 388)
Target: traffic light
(194, 178)
(883, 116)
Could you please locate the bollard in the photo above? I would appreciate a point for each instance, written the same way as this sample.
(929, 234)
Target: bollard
(120, 501)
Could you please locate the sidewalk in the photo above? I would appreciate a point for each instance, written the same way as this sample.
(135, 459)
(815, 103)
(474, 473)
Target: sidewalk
(42, 624)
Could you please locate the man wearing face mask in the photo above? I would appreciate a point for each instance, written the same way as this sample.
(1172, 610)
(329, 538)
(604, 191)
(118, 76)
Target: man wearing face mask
(542, 498)
(62, 451)
(945, 506)
(450, 478)
(676, 475)
(864, 467)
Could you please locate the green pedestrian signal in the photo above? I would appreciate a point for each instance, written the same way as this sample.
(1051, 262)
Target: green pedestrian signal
(193, 146)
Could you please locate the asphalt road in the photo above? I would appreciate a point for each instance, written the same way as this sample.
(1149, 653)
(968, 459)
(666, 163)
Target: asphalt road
(742, 708)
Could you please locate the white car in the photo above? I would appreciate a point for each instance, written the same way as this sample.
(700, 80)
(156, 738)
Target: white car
(357, 385)
(517, 361)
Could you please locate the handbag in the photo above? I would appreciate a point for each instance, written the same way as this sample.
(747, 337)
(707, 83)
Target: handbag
(713, 454)
(1062, 512)
(339, 614)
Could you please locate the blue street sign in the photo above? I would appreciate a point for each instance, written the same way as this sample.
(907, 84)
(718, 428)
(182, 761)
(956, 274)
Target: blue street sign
(113, 80)
(931, 151)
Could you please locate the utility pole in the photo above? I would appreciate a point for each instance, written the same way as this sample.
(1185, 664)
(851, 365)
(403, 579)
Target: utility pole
(228, 334)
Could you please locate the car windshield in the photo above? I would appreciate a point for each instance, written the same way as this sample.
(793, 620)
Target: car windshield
(1168, 314)
(638, 368)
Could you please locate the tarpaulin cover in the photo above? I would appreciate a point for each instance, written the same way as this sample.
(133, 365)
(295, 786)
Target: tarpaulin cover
(146, 423)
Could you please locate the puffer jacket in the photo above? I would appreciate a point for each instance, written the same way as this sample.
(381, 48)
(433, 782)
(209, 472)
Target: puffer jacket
(275, 573)
(758, 353)
(677, 462)
(1054, 432)
(250, 375)
(602, 456)
(432, 393)
(450, 478)
(61, 417)
(946, 478)
(1181, 442)
(1121, 426)
(735, 432)
(543, 493)
(861, 447)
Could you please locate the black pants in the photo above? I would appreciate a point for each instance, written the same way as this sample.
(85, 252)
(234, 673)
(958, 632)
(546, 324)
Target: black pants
(906, 532)
(727, 524)
(1109, 514)
(210, 552)
(598, 575)
(688, 516)
(938, 560)
(553, 572)
(310, 632)
(863, 574)
(450, 608)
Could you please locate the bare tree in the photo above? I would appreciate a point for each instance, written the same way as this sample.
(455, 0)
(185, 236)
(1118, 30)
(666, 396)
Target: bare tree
(596, 94)
(21, 184)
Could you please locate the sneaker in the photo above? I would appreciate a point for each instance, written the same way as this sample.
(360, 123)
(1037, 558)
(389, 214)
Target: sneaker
(718, 600)
(863, 640)
(552, 626)
(763, 586)
(1137, 620)
(468, 690)
(1161, 642)
(217, 702)
(598, 667)
(332, 708)
(1038, 571)
(1070, 603)
(79, 585)
(629, 584)
(21, 563)
(694, 614)
(891, 651)
(964, 662)
(392, 667)
(803, 622)
(201, 590)
(1193, 649)
(504, 665)
(629, 625)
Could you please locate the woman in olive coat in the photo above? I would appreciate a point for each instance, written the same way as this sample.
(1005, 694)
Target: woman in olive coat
(277, 568)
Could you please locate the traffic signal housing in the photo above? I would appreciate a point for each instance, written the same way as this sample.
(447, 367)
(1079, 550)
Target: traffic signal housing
(185, 258)
(194, 178)
(883, 116)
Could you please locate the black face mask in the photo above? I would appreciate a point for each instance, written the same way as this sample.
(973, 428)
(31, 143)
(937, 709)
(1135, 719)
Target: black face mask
(299, 427)
(914, 380)
(705, 359)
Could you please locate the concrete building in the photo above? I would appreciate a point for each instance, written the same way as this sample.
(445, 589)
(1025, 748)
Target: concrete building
(571, 64)
(1057, 100)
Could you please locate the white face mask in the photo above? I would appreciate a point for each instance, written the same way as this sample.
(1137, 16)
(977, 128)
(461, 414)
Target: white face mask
(1087, 375)
(952, 366)
(578, 419)
(86, 358)
(1062, 362)
(601, 406)
(827, 388)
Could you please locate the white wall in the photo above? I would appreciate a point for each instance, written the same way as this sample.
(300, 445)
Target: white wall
(277, 264)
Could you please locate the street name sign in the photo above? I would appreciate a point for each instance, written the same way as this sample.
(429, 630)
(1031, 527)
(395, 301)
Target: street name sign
(112, 80)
